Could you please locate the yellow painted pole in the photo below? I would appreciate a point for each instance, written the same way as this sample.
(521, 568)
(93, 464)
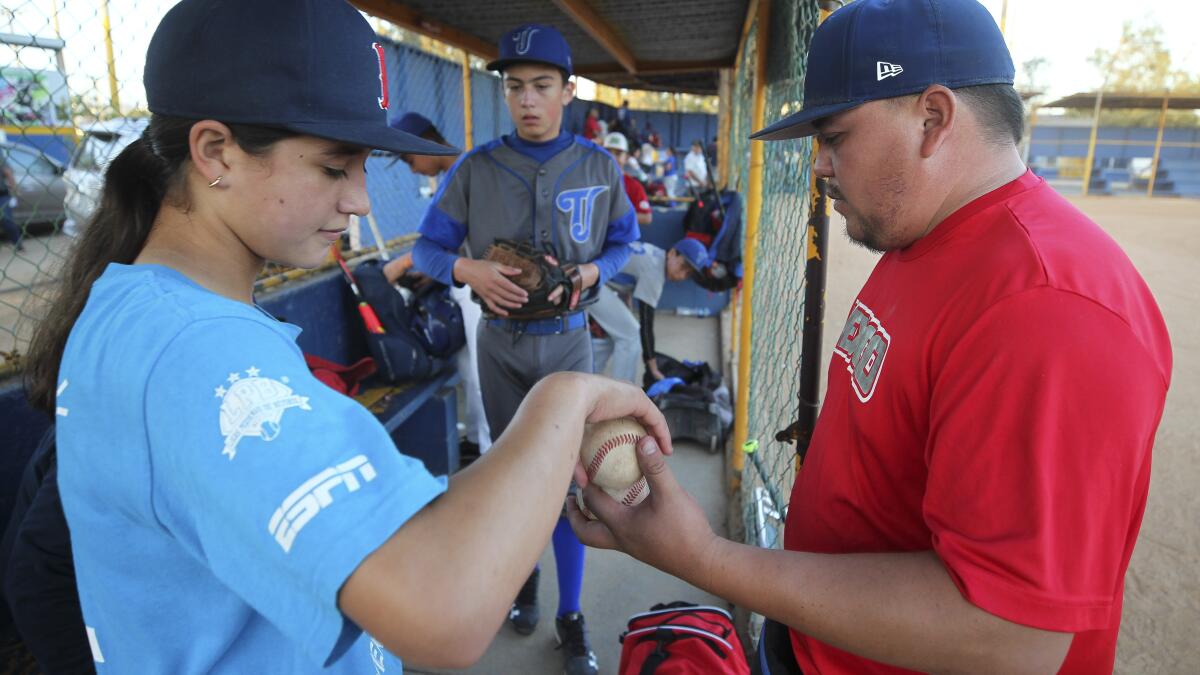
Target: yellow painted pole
(1162, 122)
(1033, 116)
(1091, 153)
(112, 64)
(468, 122)
(753, 214)
(1003, 16)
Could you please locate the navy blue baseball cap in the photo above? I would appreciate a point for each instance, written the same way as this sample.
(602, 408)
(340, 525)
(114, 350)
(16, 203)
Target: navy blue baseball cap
(412, 123)
(694, 252)
(533, 43)
(310, 66)
(877, 49)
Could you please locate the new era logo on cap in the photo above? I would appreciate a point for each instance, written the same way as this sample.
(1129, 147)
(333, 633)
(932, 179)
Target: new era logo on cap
(884, 70)
(953, 43)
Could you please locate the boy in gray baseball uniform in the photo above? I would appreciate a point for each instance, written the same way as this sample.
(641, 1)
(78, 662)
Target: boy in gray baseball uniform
(560, 193)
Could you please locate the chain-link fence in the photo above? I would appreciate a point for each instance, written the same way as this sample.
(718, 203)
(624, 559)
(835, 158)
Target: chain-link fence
(71, 99)
(778, 302)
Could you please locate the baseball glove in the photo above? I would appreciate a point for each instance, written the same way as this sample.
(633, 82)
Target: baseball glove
(540, 274)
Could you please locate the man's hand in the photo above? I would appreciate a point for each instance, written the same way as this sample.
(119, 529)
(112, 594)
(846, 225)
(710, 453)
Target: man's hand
(489, 280)
(668, 530)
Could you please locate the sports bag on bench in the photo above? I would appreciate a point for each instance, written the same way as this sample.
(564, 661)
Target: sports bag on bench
(681, 638)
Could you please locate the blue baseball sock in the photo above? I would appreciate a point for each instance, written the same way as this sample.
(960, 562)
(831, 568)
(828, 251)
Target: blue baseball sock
(568, 560)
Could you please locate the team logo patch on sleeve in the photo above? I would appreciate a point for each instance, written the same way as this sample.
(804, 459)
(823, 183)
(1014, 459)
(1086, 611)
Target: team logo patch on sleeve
(254, 406)
(578, 204)
(863, 344)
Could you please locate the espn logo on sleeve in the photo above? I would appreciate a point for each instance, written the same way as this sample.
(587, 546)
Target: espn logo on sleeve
(315, 494)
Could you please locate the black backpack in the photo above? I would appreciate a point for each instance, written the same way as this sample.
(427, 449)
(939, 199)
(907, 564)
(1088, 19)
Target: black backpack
(700, 409)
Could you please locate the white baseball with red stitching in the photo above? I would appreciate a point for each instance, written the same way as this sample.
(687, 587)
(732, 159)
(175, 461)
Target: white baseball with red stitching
(609, 454)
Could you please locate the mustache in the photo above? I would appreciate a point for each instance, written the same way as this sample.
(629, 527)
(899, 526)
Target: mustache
(833, 192)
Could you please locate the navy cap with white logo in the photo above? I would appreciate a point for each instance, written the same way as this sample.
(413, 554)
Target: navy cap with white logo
(310, 66)
(412, 123)
(877, 49)
(533, 43)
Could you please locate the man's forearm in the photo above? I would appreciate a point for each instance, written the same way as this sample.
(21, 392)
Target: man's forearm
(897, 608)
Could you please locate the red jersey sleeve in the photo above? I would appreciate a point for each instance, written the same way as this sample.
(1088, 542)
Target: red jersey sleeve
(637, 195)
(1042, 419)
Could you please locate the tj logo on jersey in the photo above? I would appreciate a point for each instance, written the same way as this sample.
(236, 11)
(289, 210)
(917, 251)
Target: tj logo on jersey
(524, 39)
(314, 494)
(577, 204)
(863, 344)
(254, 406)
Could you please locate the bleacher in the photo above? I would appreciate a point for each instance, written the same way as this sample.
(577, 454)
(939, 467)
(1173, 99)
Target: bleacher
(1122, 158)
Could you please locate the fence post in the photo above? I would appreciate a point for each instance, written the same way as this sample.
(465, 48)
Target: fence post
(753, 214)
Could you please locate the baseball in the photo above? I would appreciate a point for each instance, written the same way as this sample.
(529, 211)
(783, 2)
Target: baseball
(609, 454)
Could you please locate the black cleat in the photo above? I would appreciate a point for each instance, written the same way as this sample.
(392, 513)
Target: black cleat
(578, 657)
(524, 614)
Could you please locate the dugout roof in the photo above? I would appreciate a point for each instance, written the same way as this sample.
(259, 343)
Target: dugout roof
(663, 45)
(1119, 100)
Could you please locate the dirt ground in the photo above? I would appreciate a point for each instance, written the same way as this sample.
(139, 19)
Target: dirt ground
(1162, 588)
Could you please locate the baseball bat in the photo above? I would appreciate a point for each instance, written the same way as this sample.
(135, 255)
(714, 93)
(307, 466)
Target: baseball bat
(378, 238)
(711, 177)
(370, 320)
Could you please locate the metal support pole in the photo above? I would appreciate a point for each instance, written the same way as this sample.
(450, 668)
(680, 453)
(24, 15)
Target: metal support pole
(753, 214)
(1033, 116)
(468, 122)
(1162, 122)
(112, 64)
(725, 125)
(1091, 153)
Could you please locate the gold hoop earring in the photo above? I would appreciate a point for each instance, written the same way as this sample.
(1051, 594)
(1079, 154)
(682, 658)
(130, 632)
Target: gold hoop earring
(214, 183)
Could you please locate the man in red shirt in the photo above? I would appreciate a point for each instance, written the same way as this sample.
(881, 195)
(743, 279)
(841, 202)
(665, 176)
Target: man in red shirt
(978, 474)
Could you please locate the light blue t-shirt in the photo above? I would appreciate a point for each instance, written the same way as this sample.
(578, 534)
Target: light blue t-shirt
(218, 494)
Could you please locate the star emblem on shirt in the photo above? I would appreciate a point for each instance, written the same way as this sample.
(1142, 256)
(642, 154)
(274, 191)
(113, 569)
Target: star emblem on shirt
(234, 377)
(220, 392)
(252, 372)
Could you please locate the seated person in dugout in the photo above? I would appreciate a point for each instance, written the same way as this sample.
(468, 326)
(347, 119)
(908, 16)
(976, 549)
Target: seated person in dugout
(229, 512)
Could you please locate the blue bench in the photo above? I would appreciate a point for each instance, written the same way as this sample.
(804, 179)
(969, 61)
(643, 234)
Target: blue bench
(422, 417)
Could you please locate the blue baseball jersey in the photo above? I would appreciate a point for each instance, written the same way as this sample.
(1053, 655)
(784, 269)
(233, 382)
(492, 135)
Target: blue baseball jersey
(218, 495)
(572, 201)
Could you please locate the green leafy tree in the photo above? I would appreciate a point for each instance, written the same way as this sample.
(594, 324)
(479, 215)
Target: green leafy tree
(1141, 64)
